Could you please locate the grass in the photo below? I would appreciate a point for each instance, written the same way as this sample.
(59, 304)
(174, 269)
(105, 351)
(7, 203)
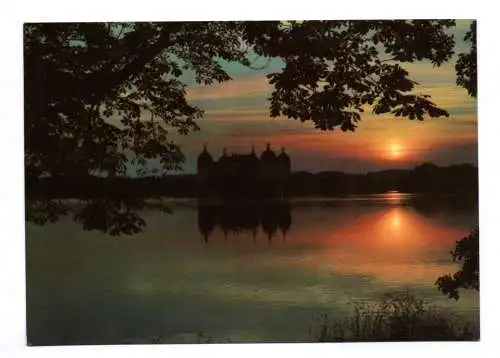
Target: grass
(398, 317)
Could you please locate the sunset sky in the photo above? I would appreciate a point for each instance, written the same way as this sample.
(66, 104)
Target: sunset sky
(237, 115)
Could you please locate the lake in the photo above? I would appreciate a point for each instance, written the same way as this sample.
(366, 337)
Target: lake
(248, 273)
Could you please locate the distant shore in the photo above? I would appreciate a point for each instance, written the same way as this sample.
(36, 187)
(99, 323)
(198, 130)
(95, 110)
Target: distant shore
(424, 179)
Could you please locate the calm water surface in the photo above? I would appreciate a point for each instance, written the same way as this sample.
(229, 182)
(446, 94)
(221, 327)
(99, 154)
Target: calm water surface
(250, 273)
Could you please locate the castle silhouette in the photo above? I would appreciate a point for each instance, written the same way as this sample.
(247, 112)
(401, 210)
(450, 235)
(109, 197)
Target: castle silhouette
(244, 173)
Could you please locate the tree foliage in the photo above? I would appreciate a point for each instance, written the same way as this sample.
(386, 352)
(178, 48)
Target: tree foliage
(467, 252)
(335, 69)
(466, 66)
(99, 96)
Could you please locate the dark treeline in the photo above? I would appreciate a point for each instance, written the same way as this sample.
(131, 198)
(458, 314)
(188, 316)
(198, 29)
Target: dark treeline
(425, 178)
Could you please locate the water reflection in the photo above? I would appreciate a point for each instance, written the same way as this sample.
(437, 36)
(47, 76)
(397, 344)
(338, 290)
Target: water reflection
(234, 218)
(392, 216)
(93, 288)
(395, 221)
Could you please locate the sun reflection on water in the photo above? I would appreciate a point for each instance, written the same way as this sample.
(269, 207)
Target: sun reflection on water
(395, 220)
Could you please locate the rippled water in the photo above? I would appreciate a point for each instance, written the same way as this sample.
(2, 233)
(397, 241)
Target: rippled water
(249, 273)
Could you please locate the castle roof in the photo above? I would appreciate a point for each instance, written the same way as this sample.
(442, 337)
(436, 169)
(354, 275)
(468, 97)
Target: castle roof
(283, 155)
(268, 154)
(205, 155)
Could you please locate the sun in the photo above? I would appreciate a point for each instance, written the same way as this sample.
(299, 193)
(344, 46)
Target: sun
(395, 151)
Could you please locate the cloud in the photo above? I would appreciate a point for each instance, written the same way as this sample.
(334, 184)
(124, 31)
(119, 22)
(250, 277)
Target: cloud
(235, 104)
(425, 73)
(450, 97)
(235, 114)
(453, 153)
(243, 87)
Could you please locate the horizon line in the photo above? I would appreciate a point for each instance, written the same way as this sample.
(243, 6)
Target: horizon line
(474, 165)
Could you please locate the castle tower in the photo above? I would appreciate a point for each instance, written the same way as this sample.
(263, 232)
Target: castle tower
(204, 165)
(284, 164)
(269, 164)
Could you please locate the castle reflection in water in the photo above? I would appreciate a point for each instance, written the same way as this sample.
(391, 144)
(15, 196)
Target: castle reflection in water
(273, 218)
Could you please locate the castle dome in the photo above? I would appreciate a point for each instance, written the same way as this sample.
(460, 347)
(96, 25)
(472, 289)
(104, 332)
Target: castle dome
(283, 156)
(205, 156)
(268, 154)
(224, 157)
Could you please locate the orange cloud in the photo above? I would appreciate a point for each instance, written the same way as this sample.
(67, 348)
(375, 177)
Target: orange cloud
(244, 87)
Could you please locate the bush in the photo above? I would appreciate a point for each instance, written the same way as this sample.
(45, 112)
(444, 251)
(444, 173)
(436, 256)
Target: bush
(398, 317)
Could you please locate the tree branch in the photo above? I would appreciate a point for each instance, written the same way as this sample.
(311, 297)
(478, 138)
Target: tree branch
(388, 59)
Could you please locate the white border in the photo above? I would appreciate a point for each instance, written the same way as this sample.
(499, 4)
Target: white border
(12, 292)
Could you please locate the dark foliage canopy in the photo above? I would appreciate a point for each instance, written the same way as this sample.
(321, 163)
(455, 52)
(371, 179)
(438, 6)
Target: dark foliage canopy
(467, 249)
(97, 92)
(466, 66)
(467, 252)
(334, 69)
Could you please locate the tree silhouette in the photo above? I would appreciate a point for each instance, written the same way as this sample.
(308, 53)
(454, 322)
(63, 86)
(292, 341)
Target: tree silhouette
(466, 66)
(333, 69)
(467, 249)
(98, 95)
(101, 95)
